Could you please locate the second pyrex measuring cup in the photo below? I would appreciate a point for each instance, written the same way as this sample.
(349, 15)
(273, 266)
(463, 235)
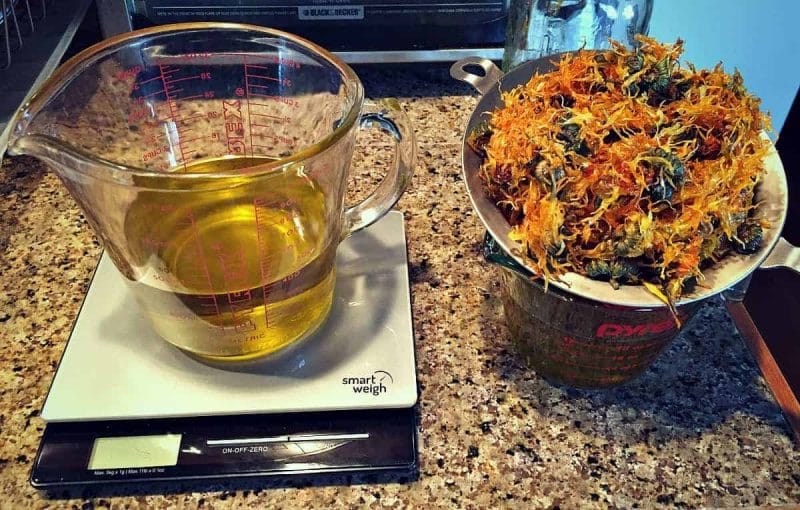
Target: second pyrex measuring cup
(212, 160)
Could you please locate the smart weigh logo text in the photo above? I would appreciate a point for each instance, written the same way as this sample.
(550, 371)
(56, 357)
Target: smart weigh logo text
(375, 384)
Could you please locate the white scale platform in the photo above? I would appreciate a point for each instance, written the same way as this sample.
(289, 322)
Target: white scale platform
(115, 367)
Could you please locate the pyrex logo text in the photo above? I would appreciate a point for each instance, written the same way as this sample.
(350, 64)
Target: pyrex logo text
(628, 330)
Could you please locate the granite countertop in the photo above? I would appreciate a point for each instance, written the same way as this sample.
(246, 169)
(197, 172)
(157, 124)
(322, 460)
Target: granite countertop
(700, 428)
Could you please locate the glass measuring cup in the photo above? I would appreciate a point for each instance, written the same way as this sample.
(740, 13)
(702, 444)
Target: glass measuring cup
(211, 159)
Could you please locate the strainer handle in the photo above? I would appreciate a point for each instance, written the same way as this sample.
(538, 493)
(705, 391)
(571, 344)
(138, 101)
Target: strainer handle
(483, 83)
(388, 116)
(785, 255)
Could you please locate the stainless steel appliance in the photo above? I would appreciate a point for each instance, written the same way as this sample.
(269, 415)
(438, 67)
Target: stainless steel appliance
(359, 31)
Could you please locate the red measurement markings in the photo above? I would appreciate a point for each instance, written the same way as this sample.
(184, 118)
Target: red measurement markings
(286, 281)
(192, 117)
(157, 92)
(247, 86)
(258, 204)
(152, 153)
(197, 77)
(278, 99)
(154, 78)
(265, 126)
(234, 126)
(252, 75)
(283, 61)
(275, 139)
(199, 267)
(233, 265)
(190, 140)
(139, 110)
(126, 74)
(172, 112)
(633, 362)
(171, 92)
(276, 118)
(254, 90)
(579, 347)
(283, 81)
(274, 59)
(137, 115)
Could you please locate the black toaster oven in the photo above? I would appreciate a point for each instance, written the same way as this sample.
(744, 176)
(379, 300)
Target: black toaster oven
(360, 31)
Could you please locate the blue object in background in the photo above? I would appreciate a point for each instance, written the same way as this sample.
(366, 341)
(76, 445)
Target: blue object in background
(760, 37)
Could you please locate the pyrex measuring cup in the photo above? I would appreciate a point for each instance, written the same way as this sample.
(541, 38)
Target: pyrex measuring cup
(212, 159)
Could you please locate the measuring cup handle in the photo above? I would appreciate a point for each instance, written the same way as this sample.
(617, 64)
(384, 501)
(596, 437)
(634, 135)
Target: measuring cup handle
(387, 116)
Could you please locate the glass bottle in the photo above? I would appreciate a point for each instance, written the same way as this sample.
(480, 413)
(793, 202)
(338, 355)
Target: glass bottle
(537, 28)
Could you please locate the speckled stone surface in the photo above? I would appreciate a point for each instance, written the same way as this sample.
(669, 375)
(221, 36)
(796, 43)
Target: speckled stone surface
(700, 428)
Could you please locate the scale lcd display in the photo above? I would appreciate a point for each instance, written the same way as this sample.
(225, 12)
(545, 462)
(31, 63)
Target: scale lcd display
(135, 451)
(223, 447)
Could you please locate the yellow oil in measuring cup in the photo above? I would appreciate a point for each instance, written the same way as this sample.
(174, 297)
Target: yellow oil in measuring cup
(236, 272)
(226, 266)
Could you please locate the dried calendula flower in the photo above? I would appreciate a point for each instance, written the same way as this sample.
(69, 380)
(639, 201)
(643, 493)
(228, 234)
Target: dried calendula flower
(626, 166)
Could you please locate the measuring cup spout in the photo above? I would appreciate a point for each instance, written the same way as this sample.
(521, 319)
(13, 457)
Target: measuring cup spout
(35, 130)
(38, 130)
(59, 156)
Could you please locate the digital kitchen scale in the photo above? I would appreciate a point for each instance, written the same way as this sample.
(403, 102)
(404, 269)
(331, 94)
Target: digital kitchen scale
(125, 406)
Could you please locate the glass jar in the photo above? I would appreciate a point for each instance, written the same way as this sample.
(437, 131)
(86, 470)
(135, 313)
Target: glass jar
(537, 28)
